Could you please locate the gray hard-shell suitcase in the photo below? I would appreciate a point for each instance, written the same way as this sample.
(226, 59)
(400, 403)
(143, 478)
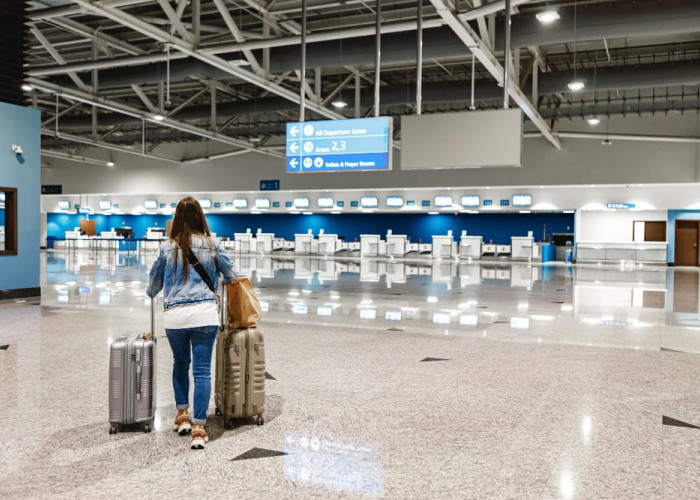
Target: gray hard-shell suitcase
(239, 387)
(132, 380)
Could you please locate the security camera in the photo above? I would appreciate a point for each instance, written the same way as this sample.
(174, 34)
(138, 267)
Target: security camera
(17, 149)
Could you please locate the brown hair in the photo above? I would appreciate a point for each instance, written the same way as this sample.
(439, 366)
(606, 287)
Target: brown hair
(188, 220)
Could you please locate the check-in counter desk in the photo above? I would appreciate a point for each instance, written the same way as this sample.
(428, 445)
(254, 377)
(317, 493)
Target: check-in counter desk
(371, 245)
(523, 247)
(329, 244)
(470, 247)
(305, 243)
(263, 242)
(354, 246)
(651, 252)
(425, 248)
(244, 242)
(75, 240)
(153, 239)
(396, 245)
(444, 247)
(278, 244)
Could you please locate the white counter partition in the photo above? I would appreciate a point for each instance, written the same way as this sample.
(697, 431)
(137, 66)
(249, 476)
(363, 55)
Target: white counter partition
(522, 247)
(370, 245)
(243, 242)
(327, 244)
(652, 252)
(303, 243)
(470, 247)
(263, 242)
(396, 245)
(444, 247)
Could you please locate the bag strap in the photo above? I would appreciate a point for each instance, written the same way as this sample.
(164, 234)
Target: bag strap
(192, 258)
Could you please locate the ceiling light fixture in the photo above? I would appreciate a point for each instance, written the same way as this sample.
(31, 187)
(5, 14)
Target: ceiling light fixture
(339, 103)
(111, 164)
(158, 118)
(548, 16)
(27, 88)
(593, 121)
(576, 85)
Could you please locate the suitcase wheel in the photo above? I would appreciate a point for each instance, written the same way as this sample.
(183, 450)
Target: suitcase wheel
(218, 412)
(228, 423)
(147, 427)
(260, 420)
(113, 429)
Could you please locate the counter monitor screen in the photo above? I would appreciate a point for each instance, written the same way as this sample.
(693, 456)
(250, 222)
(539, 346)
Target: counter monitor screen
(240, 203)
(369, 202)
(262, 203)
(63, 205)
(301, 202)
(105, 204)
(471, 200)
(394, 201)
(522, 200)
(150, 204)
(443, 201)
(205, 202)
(325, 202)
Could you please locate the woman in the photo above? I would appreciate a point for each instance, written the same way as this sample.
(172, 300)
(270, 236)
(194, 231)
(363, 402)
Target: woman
(191, 310)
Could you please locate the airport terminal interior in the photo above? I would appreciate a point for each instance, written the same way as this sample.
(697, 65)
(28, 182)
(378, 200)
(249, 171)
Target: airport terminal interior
(472, 227)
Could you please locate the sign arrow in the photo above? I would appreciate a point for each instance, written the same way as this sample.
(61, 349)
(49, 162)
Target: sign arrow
(294, 147)
(294, 131)
(294, 162)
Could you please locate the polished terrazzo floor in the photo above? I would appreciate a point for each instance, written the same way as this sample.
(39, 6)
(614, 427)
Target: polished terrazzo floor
(385, 379)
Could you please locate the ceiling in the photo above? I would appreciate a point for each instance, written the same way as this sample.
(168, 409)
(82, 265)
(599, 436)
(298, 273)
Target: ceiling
(228, 70)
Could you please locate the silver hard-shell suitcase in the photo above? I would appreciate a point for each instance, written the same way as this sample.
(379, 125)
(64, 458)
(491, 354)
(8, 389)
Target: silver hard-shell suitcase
(132, 380)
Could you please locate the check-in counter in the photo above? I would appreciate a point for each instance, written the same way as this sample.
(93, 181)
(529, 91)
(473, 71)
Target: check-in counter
(425, 248)
(488, 249)
(263, 242)
(354, 246)
(651, 252)
(304, 243)
(444, 247)
(370, 245)
(328, 244)
(278, 244)
(470, 247)
(503, 250)
(396, 245)
(76, 240)
(411, 247)
(522, 247)
(244, 242)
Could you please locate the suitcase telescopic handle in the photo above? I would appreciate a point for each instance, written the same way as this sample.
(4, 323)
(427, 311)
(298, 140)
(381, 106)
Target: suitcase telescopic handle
(153, 317)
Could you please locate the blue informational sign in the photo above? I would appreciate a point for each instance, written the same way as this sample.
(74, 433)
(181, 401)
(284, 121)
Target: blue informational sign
(425, 203)
(621, 206)
(339, 145)
(505, 203)
(173, 205)
(411, 203)
(217, 204)
(288, 204)
(488, 203)
(340, 203)
(270, 185)
(354, 203)
(275, 204)
(115, 205)
(162, 205)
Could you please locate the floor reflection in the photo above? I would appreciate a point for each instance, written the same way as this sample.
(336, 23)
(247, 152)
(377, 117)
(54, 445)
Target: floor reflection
(506, 301)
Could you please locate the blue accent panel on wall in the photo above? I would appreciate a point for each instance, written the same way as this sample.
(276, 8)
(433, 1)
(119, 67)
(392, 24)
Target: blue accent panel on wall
(673, 216)
(2, 216)
(496, 227)
(22, 126)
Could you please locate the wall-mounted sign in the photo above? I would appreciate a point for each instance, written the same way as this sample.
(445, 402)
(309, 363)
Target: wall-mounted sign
(240, 203)
(105, 204)
(205, 202)
(339, 203)
(275, 204)
(173, 205)
(217, 204)
(339, 145)
(52, 189)
(505, 203)
(369, 202)
(150, 204)
(116, 205)
(229, 204)
(522, 200)
(162, 205)
(270, 185)
(620, 206)
(425, 203)
(288, 204)
(410, 203)
(354, 203)
(325, 202)
(488, 203)
(63, 205)
(471, 200)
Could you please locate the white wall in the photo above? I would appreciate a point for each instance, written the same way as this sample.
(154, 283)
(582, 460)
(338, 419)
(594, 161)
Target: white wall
(613, 226)
(580, 162)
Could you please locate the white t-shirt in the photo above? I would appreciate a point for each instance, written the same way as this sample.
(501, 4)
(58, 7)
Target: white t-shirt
(192, 315)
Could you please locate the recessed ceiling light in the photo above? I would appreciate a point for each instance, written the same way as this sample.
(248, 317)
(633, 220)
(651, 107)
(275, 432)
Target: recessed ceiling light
(110, 164)
(593, 121)
(339, 103)
(576, 85)
(547, 16)
(158, 118)
(27, 88)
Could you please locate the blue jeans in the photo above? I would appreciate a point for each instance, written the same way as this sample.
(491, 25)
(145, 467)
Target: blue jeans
(201, 340)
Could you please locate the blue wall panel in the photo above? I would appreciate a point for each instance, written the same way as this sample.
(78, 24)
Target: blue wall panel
(22, 126)
(496, 227)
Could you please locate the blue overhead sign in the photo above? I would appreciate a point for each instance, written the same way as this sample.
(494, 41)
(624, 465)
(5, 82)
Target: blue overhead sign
(270, 185)
(339, 145)
(620, 206)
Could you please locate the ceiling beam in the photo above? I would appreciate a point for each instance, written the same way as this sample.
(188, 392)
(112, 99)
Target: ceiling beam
(233, 27)
(489, 61)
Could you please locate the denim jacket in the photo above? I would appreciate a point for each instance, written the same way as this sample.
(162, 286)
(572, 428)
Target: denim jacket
(210, 253)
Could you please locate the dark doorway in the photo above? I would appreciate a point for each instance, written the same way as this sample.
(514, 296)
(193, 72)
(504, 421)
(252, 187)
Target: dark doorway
(686, 253)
